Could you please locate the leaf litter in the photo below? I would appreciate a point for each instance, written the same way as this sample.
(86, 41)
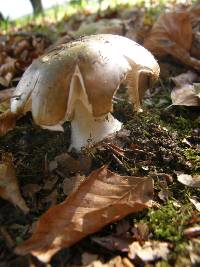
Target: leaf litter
(189, 180)
(9, 188)
(154, 150)
(149, 251)
(103, 198)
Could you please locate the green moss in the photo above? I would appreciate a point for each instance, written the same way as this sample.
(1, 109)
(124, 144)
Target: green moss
(167, 222)
(162, 264)
(193, 155)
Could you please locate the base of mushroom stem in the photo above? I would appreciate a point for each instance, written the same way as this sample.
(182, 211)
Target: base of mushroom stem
(87, 130)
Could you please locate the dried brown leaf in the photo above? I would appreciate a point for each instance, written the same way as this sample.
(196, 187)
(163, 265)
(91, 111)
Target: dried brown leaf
(9, 188)
(195, 202)
(186, 95)
(9, 66)
(102, 198)
(189, 180)
(172, 35)
(71, 184)
(195, 20)
(6, 94)
(171, 31)
(149, 251)
(21, 46)
(7, 122)
(185, 78)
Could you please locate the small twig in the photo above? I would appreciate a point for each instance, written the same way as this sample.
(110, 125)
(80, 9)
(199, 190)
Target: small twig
(118, 161)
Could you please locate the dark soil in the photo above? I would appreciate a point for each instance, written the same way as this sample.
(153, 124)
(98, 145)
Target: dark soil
(152, 144)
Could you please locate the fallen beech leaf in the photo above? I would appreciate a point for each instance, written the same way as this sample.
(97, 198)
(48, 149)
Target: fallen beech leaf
(195, 202)
(186, 95)
(189, 180)
(185, 78)
(9, 188)
(149, 251)
(102, 198)
(194, 16)
(7, 122)
(6, 94)
(9, 66)
(172, 35)
(71, 184)
(171, 31)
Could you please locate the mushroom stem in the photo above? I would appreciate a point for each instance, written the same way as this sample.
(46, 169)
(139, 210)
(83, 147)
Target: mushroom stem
(87, 129)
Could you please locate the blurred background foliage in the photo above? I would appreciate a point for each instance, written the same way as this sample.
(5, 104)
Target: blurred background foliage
(59, 11)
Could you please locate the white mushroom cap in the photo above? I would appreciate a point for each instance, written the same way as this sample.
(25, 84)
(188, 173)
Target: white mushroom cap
(88, 70)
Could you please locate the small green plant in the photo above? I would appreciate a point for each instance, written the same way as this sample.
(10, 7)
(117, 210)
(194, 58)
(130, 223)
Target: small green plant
(168, 222)
(193, 156)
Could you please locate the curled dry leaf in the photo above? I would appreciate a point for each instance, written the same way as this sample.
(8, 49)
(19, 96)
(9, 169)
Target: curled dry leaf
(186, 95)
(171, 31)
(149, 251)
(186, 92)
(9, 188)
(195, 202)
(189, 180)
(102, 198)
(172, 35)
(71, 184)
(185, 78)
(7, 122)
(195, 20)
(6, 94)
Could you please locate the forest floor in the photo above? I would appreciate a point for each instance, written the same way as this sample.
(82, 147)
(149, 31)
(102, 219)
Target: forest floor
(161, 142)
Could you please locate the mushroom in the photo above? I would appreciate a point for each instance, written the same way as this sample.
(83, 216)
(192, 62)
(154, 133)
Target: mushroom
(76, 82)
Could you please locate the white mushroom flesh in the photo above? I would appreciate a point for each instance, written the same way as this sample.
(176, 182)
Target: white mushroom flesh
(76, 82)
(87, 130)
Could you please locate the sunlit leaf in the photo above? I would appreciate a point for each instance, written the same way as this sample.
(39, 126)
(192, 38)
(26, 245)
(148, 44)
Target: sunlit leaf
(102, 198)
